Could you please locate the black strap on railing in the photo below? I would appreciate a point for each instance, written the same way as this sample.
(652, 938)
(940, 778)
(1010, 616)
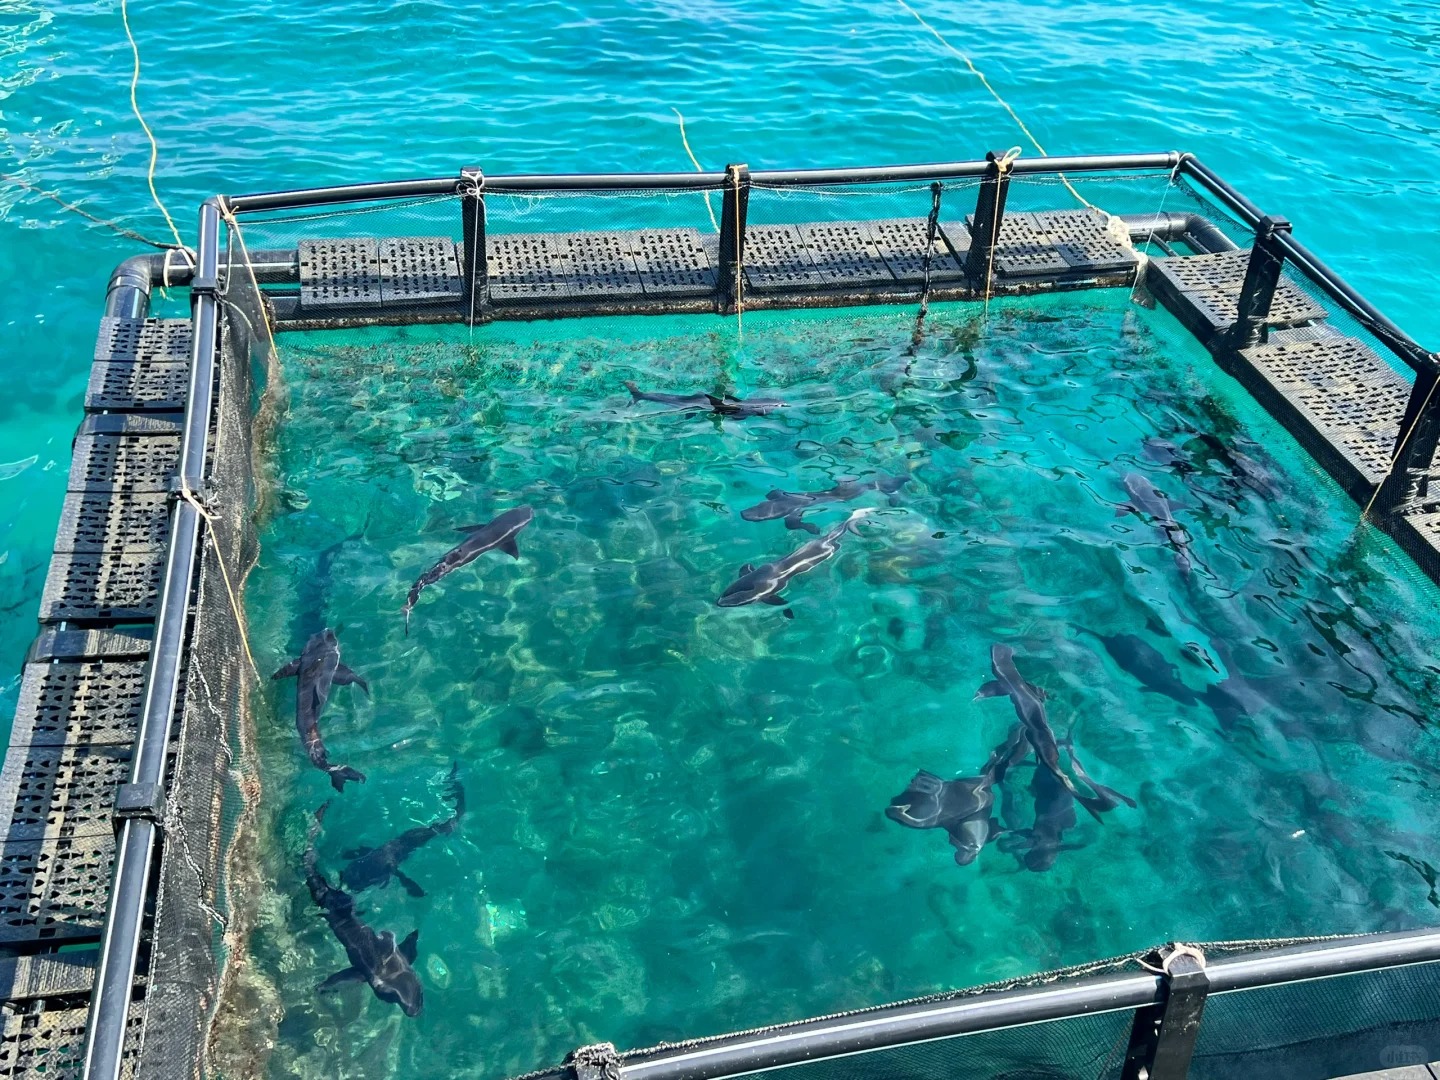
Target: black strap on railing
(1162, 1038)
(1262, 276)
(734, 206)
(472, 247)
(988, 221)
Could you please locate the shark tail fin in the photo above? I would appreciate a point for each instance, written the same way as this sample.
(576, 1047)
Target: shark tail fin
(410, 947)
(634, 391)
(288, 671)
(341, 773)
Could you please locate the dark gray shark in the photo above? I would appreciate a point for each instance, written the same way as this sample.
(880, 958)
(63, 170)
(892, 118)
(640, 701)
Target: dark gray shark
(374, 958)
(763, 583)
(1146, 500)
(376, 866)
(1137, 657)
(498, 535)
(793, 505)
(317, 669)
(1029, 703)
(962, 807)
(721, 406)
(1039, 846)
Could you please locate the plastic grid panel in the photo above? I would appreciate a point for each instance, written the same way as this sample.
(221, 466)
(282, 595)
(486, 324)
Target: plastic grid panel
(777, 257)
(1084, 240)
(143, 339)
(51, 1044)
(88, 702)
(102, 520)
(1024, 249)
(55, 889)
(524, 267)
(1211, 284)
(48, 975)
(137, 386)
(845, 253)
(419, 270)
(50, 792)
(671, 262)
(1347, 393)
(597, 263)
(339, 275)
(105, 586)
(901, 243)
(142, 462)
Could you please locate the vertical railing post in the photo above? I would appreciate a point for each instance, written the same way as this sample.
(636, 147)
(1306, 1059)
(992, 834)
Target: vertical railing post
(472, 244)
(729, 275)
(1262, 276)
(1408, 481)
(988, 221)
(1162, 1038)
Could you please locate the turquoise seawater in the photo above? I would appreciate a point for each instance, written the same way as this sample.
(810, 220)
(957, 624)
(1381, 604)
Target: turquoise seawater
(674, 811)
(1320, 109)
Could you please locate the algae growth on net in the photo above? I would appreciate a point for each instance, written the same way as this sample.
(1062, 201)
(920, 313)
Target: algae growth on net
(660, 817)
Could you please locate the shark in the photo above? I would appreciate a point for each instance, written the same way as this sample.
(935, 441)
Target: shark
(721, 406)
(1146, 500)
(1029, 703)
(793, 505)
(375, 959)
(764, 583)
(316, 670)
(1138, 658)
(963, 806)
(376, 866)
(497, 535)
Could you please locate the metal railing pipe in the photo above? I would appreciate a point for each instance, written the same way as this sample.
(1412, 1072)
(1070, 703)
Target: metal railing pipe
(135, 845)
(694, 181)
(1336, 287)
(902, 1026)
(1324, 959)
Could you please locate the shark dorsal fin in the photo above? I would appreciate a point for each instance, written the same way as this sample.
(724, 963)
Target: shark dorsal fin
(748, 568)
(409, 948)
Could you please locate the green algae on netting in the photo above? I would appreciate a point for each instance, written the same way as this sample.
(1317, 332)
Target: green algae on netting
(674, 817)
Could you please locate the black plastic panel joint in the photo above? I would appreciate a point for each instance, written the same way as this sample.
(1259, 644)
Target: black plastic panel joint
(143, 801)
(1162, 1039)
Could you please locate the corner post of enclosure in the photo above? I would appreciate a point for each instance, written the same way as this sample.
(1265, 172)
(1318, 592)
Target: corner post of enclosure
(472, 248)
(1408, 481)
(734, 207)
(1262, 275)
(988, 220)
(1162, 1038)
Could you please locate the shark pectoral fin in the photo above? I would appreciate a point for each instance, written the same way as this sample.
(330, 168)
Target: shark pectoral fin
(509, 546)
(410, 947)
(340, 978)
(344, 677)
(411, 885)
(775, 601)
(289, 670)
(1121, 509)
(993, 688)
(788, 613)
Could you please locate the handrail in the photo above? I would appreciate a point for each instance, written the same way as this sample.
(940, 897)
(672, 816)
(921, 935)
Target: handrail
(138, 816)
(818, 1040)
(693, 181)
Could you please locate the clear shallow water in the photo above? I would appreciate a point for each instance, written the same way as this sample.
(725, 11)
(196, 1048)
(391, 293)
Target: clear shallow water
(1321, 110)
(675, 811)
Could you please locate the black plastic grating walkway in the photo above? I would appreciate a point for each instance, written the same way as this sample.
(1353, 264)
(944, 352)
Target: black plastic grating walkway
(1207, 289)
(137, 386)
(1346, 392)
(125, 453)
(143, 339)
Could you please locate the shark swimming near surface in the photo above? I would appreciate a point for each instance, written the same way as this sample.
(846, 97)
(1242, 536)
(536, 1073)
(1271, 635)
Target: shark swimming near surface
(498, 535)
(721, 406)
(1146, 500)
(1147, 665)
(793, 505)
(1040, 845)
(374, 958)
(1029, 703)
(316, 670)
(764, 583)
(963, 806)
(376, 866)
